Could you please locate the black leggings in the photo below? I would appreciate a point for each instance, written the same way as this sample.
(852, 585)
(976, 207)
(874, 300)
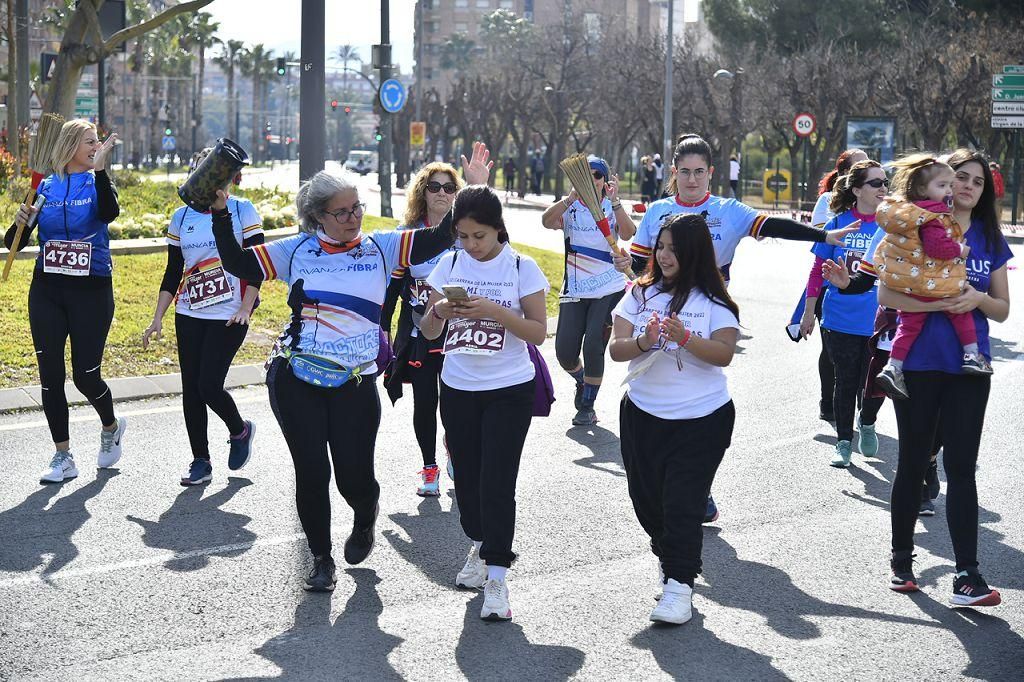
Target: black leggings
(486, 431)
(670, 464)
(425, 392)
(849, 355)
(205, 351)
(584, 324)
(952, 407)
(312, 418)
(55, 312)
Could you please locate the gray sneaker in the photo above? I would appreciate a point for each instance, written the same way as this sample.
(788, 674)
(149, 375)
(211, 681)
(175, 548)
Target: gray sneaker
(62, 468)
(586, 416)
(891, 381)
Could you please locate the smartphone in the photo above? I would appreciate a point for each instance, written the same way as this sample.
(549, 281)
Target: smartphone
(34, 217)
(455, 293)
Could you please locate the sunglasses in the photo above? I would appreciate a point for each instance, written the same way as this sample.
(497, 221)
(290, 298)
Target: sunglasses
(876, 183)
(435, 187)
(598, 175)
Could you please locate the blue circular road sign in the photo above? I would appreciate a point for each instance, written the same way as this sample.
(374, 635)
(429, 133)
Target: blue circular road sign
(393, 96)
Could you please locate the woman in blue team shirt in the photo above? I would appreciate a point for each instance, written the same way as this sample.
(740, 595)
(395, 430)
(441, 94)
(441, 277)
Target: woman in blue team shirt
(846, 321)
(71, 293)
(946, 403)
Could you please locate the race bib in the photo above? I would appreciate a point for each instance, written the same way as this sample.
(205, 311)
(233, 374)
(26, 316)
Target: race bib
(67, 258)
(853, 259)
(419, 293)
(886, 339)
(207, 287)
(474, 337)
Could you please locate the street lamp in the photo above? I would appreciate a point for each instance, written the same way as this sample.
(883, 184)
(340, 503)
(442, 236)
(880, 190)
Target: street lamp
(735, 83)
(556, 133)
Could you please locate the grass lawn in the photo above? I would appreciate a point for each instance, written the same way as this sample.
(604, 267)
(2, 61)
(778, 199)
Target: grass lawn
(136, 284)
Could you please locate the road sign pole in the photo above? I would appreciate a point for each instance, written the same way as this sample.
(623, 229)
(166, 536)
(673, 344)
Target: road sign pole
(384, 147)
(312, 114)
(1016, 175)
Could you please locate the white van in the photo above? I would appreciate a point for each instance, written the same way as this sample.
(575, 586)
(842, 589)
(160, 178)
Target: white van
(361, 162)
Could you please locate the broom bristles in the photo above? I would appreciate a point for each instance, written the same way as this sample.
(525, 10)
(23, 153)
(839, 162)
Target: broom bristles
(41, 150)
(577, 169)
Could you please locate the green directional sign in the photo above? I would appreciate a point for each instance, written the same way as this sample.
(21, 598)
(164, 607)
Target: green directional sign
(1013, 68)
(1002, 80)
(1008, 94)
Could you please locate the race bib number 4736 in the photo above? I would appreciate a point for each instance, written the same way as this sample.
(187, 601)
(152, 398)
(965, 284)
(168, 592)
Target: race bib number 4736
(67, 258)
(474, 337)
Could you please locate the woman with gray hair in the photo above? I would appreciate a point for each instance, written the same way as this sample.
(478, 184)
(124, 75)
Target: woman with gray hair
(322, 372)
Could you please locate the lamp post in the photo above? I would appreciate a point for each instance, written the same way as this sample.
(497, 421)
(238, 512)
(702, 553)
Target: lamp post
(735, 81)
(556, 134)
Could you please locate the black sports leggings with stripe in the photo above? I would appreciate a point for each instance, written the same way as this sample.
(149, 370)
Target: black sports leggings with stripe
(83, 311)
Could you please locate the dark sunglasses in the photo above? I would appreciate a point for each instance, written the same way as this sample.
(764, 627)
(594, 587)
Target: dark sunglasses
(598, 175)
(876, 183)
(435, 187)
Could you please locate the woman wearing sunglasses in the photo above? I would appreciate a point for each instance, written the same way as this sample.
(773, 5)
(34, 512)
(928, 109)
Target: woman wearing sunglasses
(847, 322)
(591, 286)
(418, 359)
(322, 373)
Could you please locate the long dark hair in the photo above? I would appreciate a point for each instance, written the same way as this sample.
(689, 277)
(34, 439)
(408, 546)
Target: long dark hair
(843, 165)
(985, 210)
(479, 203)
(695, 254)
(843, 198)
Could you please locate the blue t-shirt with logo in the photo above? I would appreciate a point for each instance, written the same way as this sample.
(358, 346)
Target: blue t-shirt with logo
(848, 313)
(937, 348)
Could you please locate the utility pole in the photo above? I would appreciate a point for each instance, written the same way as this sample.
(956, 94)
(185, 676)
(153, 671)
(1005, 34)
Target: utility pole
(384, 153)
(667, 141)
(312, 115)
(21, 93)
(419, 61)
(13, 140)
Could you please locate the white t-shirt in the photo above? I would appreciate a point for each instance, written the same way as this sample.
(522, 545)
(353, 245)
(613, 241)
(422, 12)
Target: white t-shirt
(589, 272)
(193, 233)
(665, 391)
(822, 214)
(505, 282)
(734, 169)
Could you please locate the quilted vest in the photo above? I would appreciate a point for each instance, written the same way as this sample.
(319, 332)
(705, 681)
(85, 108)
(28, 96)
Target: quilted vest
(900, 260)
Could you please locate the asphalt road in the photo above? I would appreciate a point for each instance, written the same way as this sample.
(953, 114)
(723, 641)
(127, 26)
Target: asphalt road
(124, 574)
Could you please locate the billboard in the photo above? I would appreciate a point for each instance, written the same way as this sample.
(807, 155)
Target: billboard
(875, 135)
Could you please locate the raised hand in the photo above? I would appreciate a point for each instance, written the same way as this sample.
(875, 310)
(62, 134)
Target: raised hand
(836, 273)
(477, 170)
(103, 153)
(611, 188)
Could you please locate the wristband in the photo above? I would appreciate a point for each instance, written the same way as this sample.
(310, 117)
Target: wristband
(639, 346)
(617, 205)
(566, 202)
(686, 338)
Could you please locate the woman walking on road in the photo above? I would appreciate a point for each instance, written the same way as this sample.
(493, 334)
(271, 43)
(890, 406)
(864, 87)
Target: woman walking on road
(677, 328)
(323, 370)
(72, 293)
(211, 318)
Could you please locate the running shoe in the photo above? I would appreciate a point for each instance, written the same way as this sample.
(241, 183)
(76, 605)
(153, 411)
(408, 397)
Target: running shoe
(322, 577)
(110, 444)
(474, 574)
(199, 471)
(241, 447)
(360, 542)
(585, 416)
(496, 606)
(867, 442)
(577, 399)
(676, 604)
(841, 457)
(62, 468)
(975, 363)
(659, 588)
(931, 480)
(711, 511)
(927, 507)
(902, 579)
(429, 476)
(970, 589)
(890, 381)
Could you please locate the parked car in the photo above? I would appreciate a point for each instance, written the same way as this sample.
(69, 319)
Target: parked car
(361, 162)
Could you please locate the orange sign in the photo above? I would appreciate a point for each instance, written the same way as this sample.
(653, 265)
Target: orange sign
(417, 133)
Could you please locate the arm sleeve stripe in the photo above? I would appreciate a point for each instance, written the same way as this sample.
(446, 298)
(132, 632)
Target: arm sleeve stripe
(640, 250)
(405, 247)
(755, 230)
(266, 263)
(252, 228)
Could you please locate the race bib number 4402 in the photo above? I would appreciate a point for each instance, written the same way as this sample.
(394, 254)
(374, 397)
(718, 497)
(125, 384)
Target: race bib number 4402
(207, 287)
(67, 258)
(474, 337)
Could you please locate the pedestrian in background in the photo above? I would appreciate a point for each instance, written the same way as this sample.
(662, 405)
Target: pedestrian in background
(509, 170)
(734, 177)
(648, 180)
(536, 172)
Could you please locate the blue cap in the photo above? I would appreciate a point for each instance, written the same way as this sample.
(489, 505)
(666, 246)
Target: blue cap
(600, 165)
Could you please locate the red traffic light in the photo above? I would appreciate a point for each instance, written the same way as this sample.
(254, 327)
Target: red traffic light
(334, 105)
(348, 110)
(268, 138)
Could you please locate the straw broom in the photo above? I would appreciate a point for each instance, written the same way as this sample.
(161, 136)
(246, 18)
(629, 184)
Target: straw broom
(577, 169)
(39, 161)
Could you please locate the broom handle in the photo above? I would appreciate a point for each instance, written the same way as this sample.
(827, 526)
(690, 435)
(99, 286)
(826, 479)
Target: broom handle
(29, 200)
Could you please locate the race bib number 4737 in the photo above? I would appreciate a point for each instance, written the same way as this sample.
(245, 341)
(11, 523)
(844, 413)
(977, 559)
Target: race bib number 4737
(474, 337)
(67, 258)
(207, 287)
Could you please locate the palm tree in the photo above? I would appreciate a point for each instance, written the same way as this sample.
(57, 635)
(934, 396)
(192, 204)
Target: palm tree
(253, 64)
(228, 60)
(346, 54)
(201, 35)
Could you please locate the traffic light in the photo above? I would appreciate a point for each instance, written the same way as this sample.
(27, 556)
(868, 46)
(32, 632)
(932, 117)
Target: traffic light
(282, 67)
(376, 134)
(267, 126)
(334, 105)
(168, 131)
(348, 110)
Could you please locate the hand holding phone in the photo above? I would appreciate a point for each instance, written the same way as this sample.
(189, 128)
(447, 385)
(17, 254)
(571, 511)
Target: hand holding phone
(455, 294)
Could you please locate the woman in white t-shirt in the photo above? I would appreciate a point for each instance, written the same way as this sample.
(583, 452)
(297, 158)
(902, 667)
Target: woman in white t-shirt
(493, 301)
(677, 327)
(211, 318)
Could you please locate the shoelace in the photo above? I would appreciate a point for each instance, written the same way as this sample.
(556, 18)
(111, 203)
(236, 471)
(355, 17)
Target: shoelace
(59, 458)
(669, 599)
(107, 440)
(429, 474)
(492, 589)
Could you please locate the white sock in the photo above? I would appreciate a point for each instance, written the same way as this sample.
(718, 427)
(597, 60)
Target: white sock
(898, 364)
(496, 573)
(477, 544)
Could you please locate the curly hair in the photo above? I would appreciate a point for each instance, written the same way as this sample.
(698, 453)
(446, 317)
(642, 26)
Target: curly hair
(416, 207)
(843, 198)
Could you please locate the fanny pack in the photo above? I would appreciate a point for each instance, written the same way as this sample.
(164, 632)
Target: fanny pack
(319, 371)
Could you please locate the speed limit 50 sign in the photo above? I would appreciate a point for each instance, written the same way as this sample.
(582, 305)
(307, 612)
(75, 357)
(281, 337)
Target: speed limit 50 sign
(804, 124)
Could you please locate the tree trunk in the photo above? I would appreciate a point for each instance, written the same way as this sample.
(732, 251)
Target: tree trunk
(13, 138)
(200, 133)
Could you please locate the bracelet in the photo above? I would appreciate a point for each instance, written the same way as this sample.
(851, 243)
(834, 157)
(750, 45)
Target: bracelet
(639, 346)
(433, 311)
(686, 339)
(566, 202)
(617, 205)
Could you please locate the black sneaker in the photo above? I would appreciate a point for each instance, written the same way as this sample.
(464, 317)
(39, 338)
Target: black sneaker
(890, 381)
(711, 511)
(970, 589)
(903, 579)
(360, 542)
(241, 447)
(927, 507)
(975, 363)
(931, 480)
(577, 399)
(321, 578)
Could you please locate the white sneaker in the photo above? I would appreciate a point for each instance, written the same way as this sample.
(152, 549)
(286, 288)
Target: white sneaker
(496, 606)
(62, 468)
(474, 574)
(110, 445)
(675, 604)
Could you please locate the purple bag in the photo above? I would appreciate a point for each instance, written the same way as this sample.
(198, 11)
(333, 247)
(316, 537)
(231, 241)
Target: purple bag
(385, 354)
(544, 389)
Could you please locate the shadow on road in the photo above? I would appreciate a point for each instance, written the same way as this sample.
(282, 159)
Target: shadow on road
(500, 651)
(603, 444)
(691, 652)
(353, 647)
(436, 545)
(30, 532)
(195, 522)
